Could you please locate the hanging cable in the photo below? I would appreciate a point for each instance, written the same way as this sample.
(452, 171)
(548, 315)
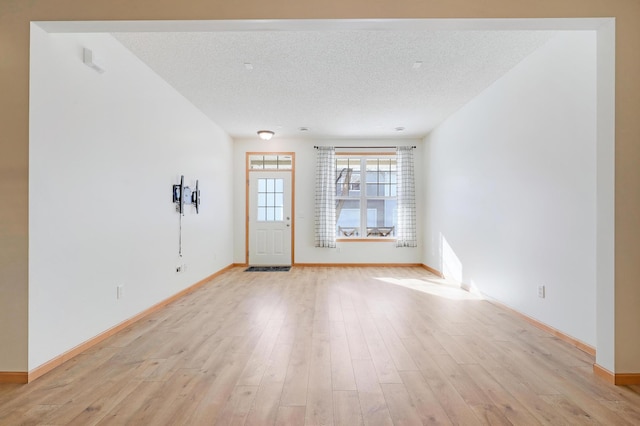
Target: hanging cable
(180, 214)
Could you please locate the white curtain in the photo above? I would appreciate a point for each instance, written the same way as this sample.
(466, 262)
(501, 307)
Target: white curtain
(325, 232)
(406, 234)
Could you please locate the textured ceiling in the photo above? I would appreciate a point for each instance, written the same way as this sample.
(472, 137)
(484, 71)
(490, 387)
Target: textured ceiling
(338, 84)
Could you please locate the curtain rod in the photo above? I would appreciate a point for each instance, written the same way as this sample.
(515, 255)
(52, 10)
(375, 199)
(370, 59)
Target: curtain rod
(365, 147)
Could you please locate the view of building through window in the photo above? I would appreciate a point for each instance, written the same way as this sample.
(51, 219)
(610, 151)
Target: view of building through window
(365, 196)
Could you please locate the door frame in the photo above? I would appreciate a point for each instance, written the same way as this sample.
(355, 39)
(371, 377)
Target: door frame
(247, 195)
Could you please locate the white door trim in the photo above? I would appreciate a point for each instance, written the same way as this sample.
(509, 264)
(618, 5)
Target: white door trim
(293, 197)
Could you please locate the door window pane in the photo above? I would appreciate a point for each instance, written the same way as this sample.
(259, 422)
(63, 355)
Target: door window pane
(270, 199)
(279, 216)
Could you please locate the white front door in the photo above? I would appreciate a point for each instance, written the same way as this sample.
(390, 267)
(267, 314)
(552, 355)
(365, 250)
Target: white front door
(270, 218)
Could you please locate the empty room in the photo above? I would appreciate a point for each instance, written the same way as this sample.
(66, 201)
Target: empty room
(324, 216)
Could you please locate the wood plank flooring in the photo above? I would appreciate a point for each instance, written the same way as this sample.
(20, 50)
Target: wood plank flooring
(325, 346)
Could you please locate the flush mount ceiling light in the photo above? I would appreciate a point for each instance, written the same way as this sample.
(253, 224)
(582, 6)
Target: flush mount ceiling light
(265, 135)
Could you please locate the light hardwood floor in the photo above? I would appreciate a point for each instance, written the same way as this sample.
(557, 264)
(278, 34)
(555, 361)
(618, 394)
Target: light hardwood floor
(322, 346)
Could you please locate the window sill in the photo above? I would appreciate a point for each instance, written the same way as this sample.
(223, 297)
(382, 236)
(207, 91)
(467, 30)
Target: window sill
(366, 240)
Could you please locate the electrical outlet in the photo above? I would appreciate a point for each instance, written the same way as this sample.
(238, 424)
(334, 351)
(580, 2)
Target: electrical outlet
(541, 292)
(119, 291)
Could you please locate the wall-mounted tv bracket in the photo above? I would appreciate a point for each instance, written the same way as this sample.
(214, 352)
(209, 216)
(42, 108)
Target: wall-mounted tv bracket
(181, 194)
(178, 193)
(195, 198)
(184, 195)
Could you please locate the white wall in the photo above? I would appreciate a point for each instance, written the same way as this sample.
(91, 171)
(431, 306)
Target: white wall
(511, 188)
(305, 157)
(605, 192)
(105, 150)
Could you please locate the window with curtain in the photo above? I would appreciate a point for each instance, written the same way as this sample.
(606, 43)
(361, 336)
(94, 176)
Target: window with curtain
(366, 196)
(406, 233)
(325, 198)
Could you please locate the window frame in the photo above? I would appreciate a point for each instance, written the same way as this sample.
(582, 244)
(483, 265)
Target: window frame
(363, 197)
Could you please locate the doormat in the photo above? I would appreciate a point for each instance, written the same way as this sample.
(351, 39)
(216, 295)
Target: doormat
(268, 269)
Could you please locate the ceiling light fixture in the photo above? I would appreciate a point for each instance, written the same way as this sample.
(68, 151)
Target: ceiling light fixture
(265, 135)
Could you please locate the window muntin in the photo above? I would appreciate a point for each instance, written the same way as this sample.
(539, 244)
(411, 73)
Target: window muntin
(372, 203)
(270, 162)
(347, 177)
(270, 200)
(381, 177)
